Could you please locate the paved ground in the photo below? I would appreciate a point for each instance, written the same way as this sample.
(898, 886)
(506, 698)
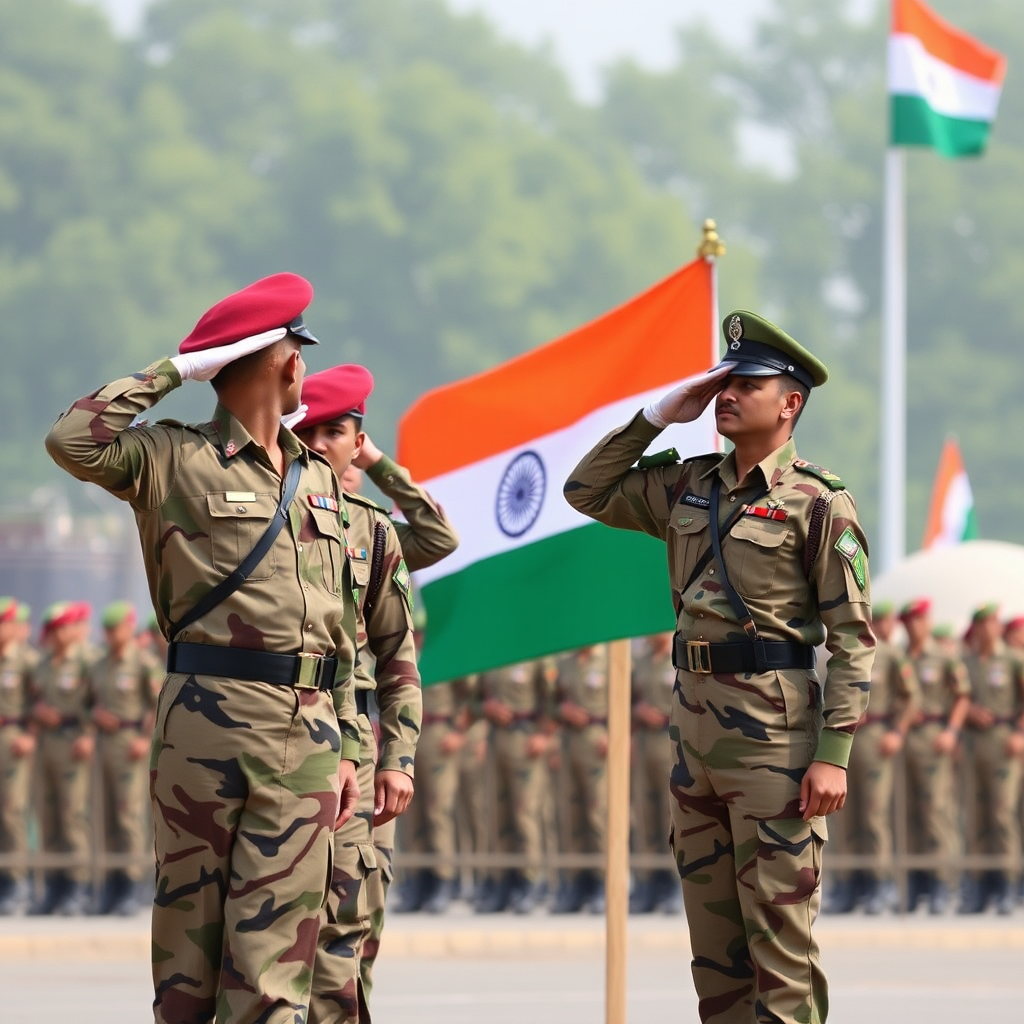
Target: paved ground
(541, 969)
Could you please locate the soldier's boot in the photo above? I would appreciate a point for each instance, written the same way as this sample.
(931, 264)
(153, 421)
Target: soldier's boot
(918, 888)
(668, 893)
(409, 897)
(973, 897)
(595, 900)
(571, 896)
(524, 895)
(939, 896)
(873, 898)
(125, 902)
(439, 894)
(494, 896)
(74, 901)
(643, 898)
(842, 897)
(1002, 893)
(54, 884)
(14, 896)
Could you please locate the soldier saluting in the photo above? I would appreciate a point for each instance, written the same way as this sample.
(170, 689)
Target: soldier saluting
(767, 560)
(248, 576)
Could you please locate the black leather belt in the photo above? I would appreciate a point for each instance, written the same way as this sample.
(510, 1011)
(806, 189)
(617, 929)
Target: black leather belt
(705, 658)
(303, 671)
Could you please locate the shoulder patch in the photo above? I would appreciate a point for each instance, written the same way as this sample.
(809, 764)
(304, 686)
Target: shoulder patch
(851, 549)
(358, 499)
(403, 580)
(828, 478)
(669, 457)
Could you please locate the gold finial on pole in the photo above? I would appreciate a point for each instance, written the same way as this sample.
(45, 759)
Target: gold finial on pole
(711, 246)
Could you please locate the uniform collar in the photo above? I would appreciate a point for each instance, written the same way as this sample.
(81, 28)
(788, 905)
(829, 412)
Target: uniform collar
(233, 437)
(772, 466)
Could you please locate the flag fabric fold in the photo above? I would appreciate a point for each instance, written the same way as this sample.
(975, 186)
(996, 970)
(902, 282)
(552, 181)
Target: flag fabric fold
(531, 575)
(944, 86)
(951, 516)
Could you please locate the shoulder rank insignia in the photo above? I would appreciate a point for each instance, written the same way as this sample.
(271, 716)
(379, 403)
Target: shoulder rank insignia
(327, 501)
(828, 478)
(669, 457)
(850, 548)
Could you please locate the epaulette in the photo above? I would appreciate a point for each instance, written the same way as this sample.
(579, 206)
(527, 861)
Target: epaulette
(711, 458)
(829, 479)
(168, 423)
(669, 457)
(358, 499)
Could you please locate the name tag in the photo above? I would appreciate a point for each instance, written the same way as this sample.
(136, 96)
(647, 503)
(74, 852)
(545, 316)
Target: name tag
(239, 495)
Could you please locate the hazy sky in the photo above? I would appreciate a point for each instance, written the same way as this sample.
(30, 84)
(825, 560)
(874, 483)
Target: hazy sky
(585, 34)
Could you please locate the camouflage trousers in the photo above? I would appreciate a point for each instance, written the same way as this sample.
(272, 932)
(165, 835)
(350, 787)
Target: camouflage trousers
(867, 815)
(519, 779)
(932, 799)
(244, 785)
(993, 823)
(64, 798)
(584, 792)
(15, 777)
(652, 763)
(123, 783)
(376, 898)
(749, 864)
(346, 925)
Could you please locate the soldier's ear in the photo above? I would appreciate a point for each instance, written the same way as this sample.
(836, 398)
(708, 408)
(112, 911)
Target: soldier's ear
(793, 404)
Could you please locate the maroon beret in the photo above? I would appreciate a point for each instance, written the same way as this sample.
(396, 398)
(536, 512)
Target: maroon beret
(8, 609)
(919, 606)
(274, 301)
(1017, 622)
(331, 394)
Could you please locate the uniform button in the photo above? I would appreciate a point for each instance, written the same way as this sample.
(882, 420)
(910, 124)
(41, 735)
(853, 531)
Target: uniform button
(309, 627)
(711, 572)
(305, 586)
(300, 548)
(685, 522)
(732, 497)
(240, 509)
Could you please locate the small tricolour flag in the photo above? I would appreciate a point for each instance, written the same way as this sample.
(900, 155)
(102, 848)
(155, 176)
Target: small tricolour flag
(532, 576)
(951, 518)
(944, 86)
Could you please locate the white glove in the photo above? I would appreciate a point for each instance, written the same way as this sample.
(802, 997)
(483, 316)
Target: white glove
(686, 402)
(292, 419)
(207, 364)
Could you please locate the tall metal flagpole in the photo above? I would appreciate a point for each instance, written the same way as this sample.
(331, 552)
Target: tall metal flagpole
(893, 439)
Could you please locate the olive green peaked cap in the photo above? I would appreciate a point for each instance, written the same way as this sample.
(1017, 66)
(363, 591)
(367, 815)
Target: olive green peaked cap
(758, 348)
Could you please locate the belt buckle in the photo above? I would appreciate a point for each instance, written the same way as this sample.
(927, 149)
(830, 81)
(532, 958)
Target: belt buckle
(307, 671)
(698, 657)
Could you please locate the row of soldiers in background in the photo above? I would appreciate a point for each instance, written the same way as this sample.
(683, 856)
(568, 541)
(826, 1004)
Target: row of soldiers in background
(945, 719)
(72, 715)
(512, 764)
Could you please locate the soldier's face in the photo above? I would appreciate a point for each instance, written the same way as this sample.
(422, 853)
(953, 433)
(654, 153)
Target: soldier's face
(748, 406)
(338, 441)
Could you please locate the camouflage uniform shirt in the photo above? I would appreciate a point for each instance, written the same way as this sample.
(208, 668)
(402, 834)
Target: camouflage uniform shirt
(763, 556)
(202, 495)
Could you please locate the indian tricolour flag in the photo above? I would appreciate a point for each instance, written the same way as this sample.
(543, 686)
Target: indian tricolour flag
(951, 518)
(943, 85)
(531, 575)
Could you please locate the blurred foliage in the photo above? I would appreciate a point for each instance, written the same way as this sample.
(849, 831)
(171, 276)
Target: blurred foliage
(455, 204)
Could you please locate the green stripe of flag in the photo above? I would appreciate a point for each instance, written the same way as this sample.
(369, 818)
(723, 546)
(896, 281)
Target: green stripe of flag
(609, 585)
(912, 122)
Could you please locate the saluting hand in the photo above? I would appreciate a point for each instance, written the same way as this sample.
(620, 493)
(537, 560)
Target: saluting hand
(206, 364)
(686, 402)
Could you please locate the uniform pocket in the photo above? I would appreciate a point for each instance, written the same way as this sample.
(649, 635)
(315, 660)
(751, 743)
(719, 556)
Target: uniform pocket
(789, 860)
(758, 544)
(235, 528)
(688, 537)
(327, 527)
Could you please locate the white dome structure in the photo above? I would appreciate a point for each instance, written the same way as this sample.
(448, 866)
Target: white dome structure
(958, 579)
